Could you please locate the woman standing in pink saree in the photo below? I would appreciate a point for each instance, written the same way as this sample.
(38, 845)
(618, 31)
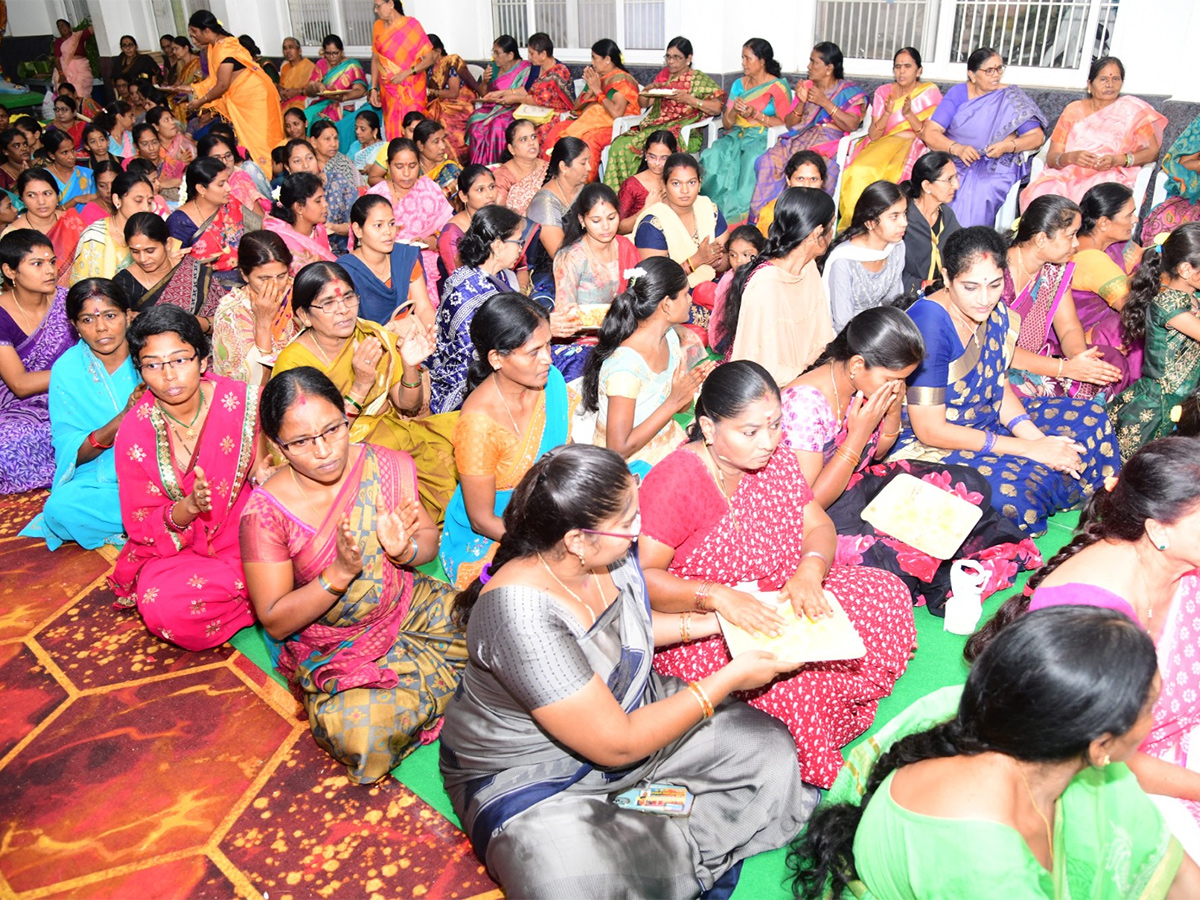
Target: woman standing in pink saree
(184, 456)
(400, 54)
(1105, 137)
(70, 62)
(420, 206)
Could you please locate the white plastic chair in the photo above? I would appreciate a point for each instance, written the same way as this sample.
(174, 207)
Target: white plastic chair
(685, 133)
(1140, 183)
(475, 70)
(1007, 213)
(620, 126)
(846, 147)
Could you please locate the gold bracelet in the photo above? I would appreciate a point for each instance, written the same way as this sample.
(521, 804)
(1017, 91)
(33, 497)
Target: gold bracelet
(848, 455)
(699, 693)
(701, 596)
(1061, 360)
(889, 434)
(685, 627)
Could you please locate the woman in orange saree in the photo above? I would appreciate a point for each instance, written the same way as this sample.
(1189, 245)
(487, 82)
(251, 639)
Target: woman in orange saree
(400, 54)
(237, 89)
(451, 97)
(294, 75)
(609, 93)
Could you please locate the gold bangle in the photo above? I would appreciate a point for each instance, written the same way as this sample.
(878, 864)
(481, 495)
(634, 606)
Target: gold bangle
(701, 596)
(685, 627)
(889, 434)
(699, 693)
(1061, 361)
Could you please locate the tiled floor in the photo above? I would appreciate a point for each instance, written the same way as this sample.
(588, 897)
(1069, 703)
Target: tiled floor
(132, 769)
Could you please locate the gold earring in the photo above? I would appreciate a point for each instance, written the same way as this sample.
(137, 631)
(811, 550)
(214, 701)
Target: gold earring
(1105, 760)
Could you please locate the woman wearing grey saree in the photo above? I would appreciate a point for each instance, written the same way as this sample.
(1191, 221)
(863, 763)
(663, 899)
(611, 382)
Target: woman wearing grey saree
(560, 710)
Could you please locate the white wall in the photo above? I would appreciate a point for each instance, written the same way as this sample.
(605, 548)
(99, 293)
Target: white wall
(32, 17)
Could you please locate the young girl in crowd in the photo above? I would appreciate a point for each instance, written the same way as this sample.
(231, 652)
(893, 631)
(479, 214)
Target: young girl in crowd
(865, 265)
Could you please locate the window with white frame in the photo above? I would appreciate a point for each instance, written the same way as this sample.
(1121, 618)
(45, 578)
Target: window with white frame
(351, 20)
(577, 24)
(1043, 34)
(75, 11)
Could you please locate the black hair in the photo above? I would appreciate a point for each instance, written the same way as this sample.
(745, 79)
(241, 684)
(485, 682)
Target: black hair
(426, 130)
(490, 224)
(979, 56)
(805, 157)
(876, 199)
(299, 187)
(88, 130)
(108, 118)
(912, 52)
(202, 172)
(508, 44)
(320, 126)
(166, 318)
(148, 224)
(540, 42)
(37, 173)
(1042, 692)
(572, 486)
(67, 86)
(8, 135)
(397, 145)
(53, 139)
(363, 205)
(831, 55)
(212, 139)
(682, 44)
(590, 196)
(68, 102)
(885, 338)
(750, 235)
(1181, 246)
(1098, 65)
(663, 278)
(284, 389)
(396, 5)
(606, 48)
(127, 37)
(293, 145)
(510, 135)
(728, 390)
(141, 128)
(332, 39)
(126, 181)
(762, 48)
(182, 41)
(413, 115)
(471, 173)
(436, 43)
(928, 167)
(204, 20)
(371, 118)
(103, 167)
(661, 136)
(18, 244)
(503, 323)
(258, 248)
(248, 42)
(968, 245)
(566, 150)
(799, 212)
(311, 280)
(90, 288)
(292, 111)
(147, 89)
(154, 115)
(142, 167)
(1048, 214)
(681, 161)
(1102, 201)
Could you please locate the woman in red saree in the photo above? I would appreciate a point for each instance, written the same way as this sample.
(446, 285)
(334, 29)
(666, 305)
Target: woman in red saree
(367, 643)
(400, 54)
(184, 457)
(39, 192)
(610, 93)
(731, 512)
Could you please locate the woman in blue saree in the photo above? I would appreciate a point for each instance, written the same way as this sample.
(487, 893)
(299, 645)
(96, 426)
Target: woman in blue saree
(986, 126)
(1039, 456)
(517, 411)
(92, 386)
(375, 252)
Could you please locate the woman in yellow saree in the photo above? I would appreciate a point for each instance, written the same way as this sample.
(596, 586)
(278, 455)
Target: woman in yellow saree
(237, 89)
(899, 112)
(294, 76)
(378, 375)
(400, 54)
(451, 96)
(609, 94)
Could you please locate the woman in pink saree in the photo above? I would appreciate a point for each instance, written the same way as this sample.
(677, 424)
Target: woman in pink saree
(1105, 137)
(506, 75)
(184, 457)
(400, 54)
(70, 62)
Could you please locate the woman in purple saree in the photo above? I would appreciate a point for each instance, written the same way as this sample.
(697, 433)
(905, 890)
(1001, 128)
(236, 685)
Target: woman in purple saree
(986, 126)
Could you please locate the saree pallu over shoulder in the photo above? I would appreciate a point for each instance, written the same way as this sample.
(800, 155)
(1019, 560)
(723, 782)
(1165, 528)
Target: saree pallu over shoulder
(397, 47)
(485, 127)
(680, 242)
(250, 103)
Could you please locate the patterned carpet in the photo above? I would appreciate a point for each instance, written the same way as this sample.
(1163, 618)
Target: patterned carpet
(132, 769)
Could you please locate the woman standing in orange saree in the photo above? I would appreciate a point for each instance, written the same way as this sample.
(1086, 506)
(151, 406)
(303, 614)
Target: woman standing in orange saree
(237, 89)
(609, 94)
(400, 54)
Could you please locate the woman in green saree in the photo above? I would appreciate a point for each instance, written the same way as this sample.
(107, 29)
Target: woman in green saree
(1012, 786)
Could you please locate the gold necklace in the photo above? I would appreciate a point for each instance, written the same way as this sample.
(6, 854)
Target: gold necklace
(1036, 809)
(837, 399)
(190, 427)
(578, 599)
(724, 489)
(972, 329)
(317, 345)
(24, 315)
(496, 385)
(303, 493)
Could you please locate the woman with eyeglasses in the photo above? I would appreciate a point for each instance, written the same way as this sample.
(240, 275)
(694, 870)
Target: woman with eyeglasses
(516, 410)
(987, 126)
(330, 544)
(254, 321)
(294, 75)
(187, 71)
(334, 80)
(931, 220)
(379, 376)
(560, 709)
(185, 458)
(66, 120)
(92, 386)
(645, 187)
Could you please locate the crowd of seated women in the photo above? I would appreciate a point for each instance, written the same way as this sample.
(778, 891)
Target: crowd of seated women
(488, 442)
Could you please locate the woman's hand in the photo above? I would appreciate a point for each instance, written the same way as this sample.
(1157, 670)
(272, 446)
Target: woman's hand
(265, 306)
(708, 253)
(745, 611)
(685, 384)
(395, 529)
(998, 149)
(264, 470)
(134, 397)
(682, 97)
(804, 591)
(906, 109)
(564, 321)
(1059, 453)
(367, 355)
(757, 667)
(802, 92)
(200, 499)
(966, 153)
(864, 416)
(349, 560)
(373, 97)
(418, 345)
(1088, 366)
(592, 79)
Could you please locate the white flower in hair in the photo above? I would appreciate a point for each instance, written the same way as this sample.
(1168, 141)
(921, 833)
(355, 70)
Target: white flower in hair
(276, 192)
(631, 274)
